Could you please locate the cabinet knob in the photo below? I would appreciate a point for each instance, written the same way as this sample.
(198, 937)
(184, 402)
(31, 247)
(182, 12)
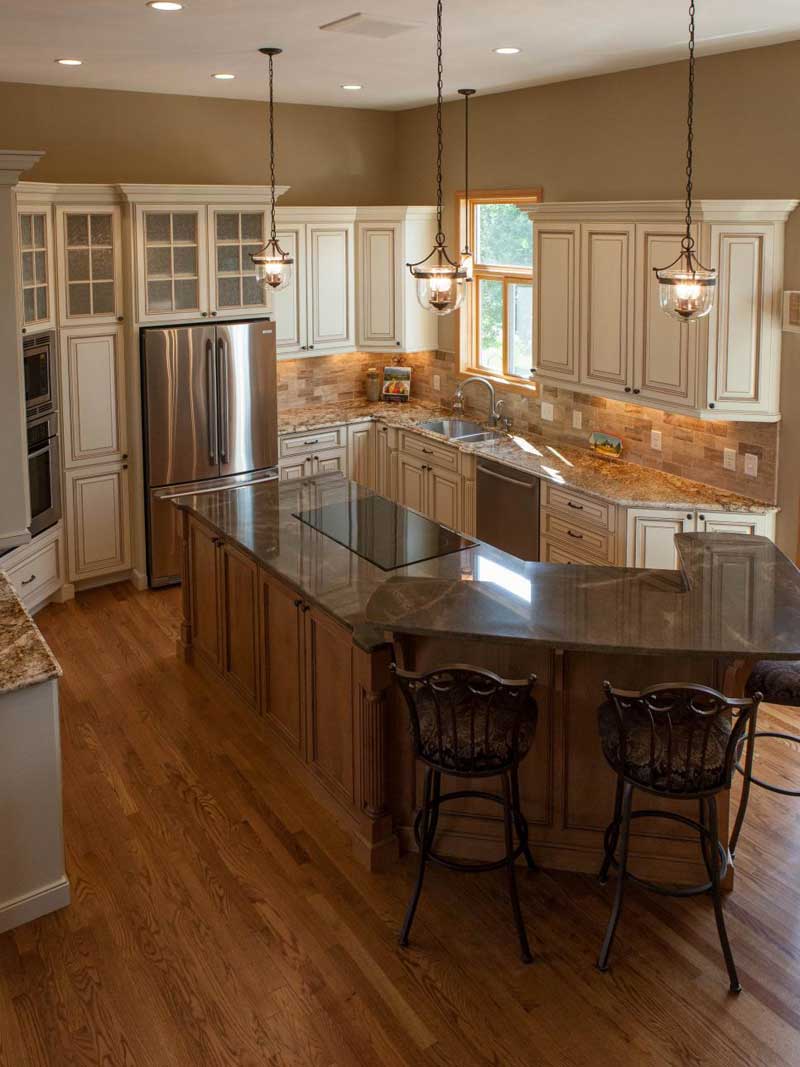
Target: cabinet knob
(397, 343)
(125, 455)
(533, 371)
(689, 515)
(702, 517)
(24, 330)
(637, 390)
(213, 312)
(298, 603)
(124, 466)
(310, 346)
(204, 314)
(627, 388)
(305, 607)
(712, 405)
(120, 318)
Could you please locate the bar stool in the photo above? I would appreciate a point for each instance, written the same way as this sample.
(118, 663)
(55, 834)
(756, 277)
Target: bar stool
(469, 723)
(779, 682)
(676, 741)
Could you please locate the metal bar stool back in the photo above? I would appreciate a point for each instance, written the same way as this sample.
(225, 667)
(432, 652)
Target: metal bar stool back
(470, 723)
(678, 741)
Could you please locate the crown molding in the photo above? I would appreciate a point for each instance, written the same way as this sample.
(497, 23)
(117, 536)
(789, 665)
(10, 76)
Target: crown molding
(199, 194)
(664, 210)
(15, 161)
(396, 213)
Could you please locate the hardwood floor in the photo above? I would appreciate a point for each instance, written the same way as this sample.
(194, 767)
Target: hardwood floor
(218, 918)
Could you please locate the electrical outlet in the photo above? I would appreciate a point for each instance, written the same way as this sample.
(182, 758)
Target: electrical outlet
(577, 420)
(751, 464)
(437, 382)
(655, 440)
(729, 459)
(548, 412)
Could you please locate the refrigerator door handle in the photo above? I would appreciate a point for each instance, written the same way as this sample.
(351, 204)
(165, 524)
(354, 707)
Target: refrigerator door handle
(224, 430)
(211, 383)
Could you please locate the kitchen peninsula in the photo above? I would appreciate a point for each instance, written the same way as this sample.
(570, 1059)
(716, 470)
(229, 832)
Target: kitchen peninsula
(300, 626)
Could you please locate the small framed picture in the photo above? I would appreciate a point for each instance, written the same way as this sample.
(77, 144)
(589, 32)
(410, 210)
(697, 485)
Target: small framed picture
(605, 444)
(396, 383)
(791, 311)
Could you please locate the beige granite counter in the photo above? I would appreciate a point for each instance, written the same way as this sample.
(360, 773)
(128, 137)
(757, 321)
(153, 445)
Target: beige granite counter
(614, 480)
(25, 657)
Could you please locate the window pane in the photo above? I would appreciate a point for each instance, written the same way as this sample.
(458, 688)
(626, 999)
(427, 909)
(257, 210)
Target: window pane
(520, 329)
(504, 236)
(490, 324)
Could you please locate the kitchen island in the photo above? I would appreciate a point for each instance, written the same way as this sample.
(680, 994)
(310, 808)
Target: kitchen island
(300, 624)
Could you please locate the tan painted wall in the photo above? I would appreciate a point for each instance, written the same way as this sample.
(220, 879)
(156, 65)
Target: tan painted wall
(622, 136)
(327, 155)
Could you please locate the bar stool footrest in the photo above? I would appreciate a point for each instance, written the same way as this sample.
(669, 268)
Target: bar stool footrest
(759, 781)
(483, 865)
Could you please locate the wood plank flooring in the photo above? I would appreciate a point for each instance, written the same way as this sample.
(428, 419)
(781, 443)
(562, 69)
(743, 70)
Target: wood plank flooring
(218, 917)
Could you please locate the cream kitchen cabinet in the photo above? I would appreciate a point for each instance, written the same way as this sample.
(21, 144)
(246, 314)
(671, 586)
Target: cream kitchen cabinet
(89, 251)
(171, 261)
(389, 317)
(651, 531)
(433, 488)
(736, 522)
(93, 396)
(361, 453)
(35, 238)
(98, 521)
(385, 460)
(36, 570)
(599, 327)
(235, 233)
(316, 451)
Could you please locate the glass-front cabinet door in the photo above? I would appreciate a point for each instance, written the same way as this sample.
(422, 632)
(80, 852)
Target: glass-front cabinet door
(235, 235)
(35, 247)
(89, 257)
(172, 263)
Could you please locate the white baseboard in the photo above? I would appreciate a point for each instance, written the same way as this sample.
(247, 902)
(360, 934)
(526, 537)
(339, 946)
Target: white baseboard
(139, 580)
(24, 909)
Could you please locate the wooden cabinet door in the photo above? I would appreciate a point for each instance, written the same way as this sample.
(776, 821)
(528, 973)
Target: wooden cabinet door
(36, 269)
(97, 510)
(239, 618)
(444, 497)
(289, 305)
(743, 340)
(411, 482)
(730, 522)
(329, 703)
(330, 462)
(360, 453)
(383, 462)
(666, 363)
(93, 397)
(379, 280)
(607, 303)
(298, 468)
(234, 235)
(556, 315)
(330, 276)
(204, 606)
(89, 246)
(172, 262)
(651, 537)
(282, 665)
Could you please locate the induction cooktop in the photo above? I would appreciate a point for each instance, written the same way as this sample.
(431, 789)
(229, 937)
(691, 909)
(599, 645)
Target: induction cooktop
(384, 533)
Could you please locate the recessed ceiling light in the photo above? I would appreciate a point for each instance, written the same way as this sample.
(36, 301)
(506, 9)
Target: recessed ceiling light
(352, 88)
(165, 5)
(507, 51)
(224, 77)
(69, 62)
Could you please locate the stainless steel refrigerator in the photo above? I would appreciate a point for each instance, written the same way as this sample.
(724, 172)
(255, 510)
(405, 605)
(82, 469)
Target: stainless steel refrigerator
(210, 420)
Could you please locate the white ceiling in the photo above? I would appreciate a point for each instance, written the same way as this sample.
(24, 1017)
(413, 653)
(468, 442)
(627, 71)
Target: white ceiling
(126, 45)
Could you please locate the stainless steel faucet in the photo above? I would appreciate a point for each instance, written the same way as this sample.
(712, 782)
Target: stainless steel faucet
(495, 406)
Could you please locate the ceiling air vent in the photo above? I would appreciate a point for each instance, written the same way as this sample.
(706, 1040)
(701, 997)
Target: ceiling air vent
(375, 26)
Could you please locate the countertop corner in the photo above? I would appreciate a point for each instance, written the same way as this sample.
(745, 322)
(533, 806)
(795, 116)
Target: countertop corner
(25, 656)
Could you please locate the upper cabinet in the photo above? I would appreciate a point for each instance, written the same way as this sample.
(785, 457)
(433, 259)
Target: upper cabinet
(171, 262)
(89, 248)
(236, 234)
(599, 326)
(36, 267)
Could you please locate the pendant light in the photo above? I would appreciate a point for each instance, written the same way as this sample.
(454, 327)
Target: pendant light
(466, 261)
(273, 265)
(440, 281)
(686, 287)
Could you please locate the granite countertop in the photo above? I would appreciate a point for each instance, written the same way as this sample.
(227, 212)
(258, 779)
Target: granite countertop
(614, 480)
(25, 658)
(735, 595)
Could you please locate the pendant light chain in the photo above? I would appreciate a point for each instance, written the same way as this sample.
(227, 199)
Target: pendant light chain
(440, 238)
(466, 156)
(273, 232)
(688, 240)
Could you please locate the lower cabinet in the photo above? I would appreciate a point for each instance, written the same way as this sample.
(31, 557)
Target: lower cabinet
(361, 453)
(202, 566)
(282, 666)
(36, 570)
(385, 460)
(431, 490)
(98, 523)
(239, 611)
(651, 532)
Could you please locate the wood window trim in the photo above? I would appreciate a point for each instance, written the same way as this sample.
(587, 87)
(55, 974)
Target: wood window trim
(468, 319)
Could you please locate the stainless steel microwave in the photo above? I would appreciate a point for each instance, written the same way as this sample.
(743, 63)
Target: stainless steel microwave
(41, 373)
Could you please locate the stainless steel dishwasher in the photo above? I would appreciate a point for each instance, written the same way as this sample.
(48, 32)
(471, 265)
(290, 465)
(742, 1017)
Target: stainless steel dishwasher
(508, 509)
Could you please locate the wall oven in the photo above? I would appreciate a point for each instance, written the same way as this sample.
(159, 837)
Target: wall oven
(44, 472)
(41, 373)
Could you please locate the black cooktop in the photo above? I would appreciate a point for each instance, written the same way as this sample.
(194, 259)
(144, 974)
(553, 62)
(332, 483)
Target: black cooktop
(384, 533)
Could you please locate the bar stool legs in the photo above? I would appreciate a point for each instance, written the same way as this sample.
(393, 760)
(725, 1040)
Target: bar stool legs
(426, 838)
(623, 828)
(510, 818)
(712, 858)
(519, 822)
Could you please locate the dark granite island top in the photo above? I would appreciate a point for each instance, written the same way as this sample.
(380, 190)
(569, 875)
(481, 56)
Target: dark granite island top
(735, 595)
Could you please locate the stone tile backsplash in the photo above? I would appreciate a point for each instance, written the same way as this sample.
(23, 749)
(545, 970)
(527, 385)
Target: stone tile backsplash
(690, 447)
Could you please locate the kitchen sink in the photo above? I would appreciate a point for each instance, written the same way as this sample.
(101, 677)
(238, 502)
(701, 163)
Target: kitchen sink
(459, 429)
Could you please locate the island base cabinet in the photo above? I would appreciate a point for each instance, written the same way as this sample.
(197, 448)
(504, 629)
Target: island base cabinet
(239, 631)
(282, 660)
(202, 586)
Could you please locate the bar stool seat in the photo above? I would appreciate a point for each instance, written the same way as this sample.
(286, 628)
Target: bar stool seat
(778, 680)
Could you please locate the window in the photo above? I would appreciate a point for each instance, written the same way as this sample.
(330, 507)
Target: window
(497, 320)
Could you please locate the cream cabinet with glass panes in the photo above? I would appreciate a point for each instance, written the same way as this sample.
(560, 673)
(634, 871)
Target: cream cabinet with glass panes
(171, 262)
(89, 250)
(35, 237)
(236, 233)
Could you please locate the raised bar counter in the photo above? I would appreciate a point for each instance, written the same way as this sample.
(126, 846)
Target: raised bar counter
(301, 628)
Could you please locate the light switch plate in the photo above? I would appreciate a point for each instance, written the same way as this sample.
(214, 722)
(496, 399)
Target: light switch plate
(577, 420)
(729, 459)
(548, 413)
(437, 382)
(751, 464)
(655, 440)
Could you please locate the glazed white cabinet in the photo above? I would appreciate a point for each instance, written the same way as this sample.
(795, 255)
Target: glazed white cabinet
(93, 396)
(432, 490)
(97, 513)
(36, 570)
(171, 262)
(235, 233)
(361, 453)
(35, 238)
(599, 327)
(89, 250)
(651, 531)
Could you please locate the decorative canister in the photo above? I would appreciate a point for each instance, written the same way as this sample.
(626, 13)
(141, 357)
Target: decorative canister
(373, 385)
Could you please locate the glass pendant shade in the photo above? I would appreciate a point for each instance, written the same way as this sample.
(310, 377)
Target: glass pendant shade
(440, 289)
(686, 290)
(273, 266)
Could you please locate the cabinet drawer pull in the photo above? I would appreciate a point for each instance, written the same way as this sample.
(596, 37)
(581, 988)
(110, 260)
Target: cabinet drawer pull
(298, 603)
(314, 441)
(428, 451)
(578, 507)
(27, 581)
(577, 536)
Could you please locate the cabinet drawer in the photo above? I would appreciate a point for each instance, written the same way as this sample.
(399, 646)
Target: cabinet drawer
(38, 574)
(583, 510)
(596, 543)
(429, 451)
(305, 465)
(551, 551)
(313, 440)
